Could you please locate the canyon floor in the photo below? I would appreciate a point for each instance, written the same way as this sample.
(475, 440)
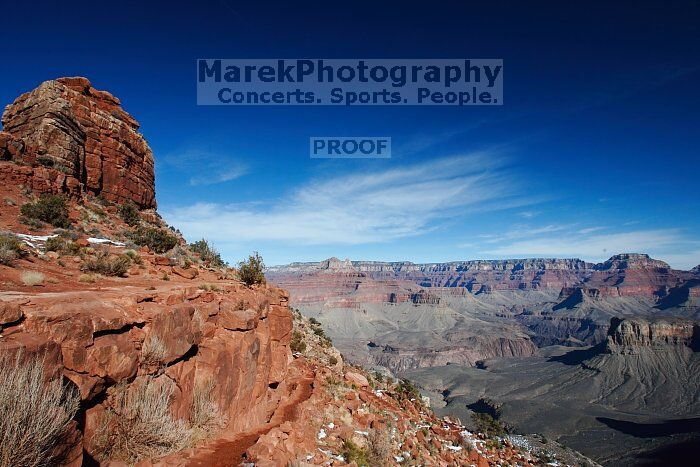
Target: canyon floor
(601, 357)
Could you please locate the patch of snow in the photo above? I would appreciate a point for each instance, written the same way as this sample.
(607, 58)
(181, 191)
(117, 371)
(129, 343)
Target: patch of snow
(322, 434)
(454, 448)
(331, 425)
(102, 241)
(32, 240)
(363, 433)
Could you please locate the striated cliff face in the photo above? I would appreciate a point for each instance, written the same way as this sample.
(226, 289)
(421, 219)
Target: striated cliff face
(472, 350)
(624, 274)
(553, 301)
(630, 335)
(72, 138)
(177, 334)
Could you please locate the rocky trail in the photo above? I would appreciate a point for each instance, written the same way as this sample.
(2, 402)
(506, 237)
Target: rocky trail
(231, 450)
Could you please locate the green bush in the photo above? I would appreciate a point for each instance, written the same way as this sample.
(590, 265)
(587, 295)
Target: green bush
(156, 239)
(52, 209)
(353, 453)
(251, 271)
(61, 245)
(297, 344)
(10, 249)
(207, 253)
(407, 390)
(333, 360)
(488, 425)
(129, 213)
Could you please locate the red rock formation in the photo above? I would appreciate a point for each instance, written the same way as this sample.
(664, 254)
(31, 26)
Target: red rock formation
(621, 275)
(72, 138)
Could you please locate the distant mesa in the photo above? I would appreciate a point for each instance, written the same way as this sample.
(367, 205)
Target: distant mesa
(631, 261)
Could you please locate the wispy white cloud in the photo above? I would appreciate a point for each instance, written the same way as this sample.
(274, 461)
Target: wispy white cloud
(661, 243)
(205, 167)
(528, 214)
(223, 175)
(588, 230)
(519, 231)
(363, 207)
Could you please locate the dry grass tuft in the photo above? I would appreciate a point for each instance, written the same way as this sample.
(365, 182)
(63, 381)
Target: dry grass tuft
(34, 413)
(139, 424)
(205, 412)
(153, 351)
(378, 447)
(89, 278)
(32, 278)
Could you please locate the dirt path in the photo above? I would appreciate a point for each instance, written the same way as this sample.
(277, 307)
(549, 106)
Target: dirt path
(230, 452)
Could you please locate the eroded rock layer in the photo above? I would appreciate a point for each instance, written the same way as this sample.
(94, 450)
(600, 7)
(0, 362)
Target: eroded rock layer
(72, 138)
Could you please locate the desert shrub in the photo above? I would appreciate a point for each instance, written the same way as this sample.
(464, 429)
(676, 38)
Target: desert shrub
(138, 424)
(378, 447)
(353, 453)
(54, 243)
(129, 213)
(10, 249)
(251, 271)
(156, 239)
(407, 390)
(297, 343)
(319, 332)
(133, 256)
(153, 351)
(488, 425)
(314, 322)
(61, 245)
(34, 413)
(204, 411)
(103, 264)
(32, 278)
(88, 278)
(333, 360)
(487, 406)
(51, 209)
(207, 253)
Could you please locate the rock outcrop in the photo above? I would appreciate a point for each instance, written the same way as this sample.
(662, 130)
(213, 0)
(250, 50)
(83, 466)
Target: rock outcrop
(629, 335)
(69, 137)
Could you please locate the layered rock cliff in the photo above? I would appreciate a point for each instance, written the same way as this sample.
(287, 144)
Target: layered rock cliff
(554, 301)
(72, 138)
(631, 335)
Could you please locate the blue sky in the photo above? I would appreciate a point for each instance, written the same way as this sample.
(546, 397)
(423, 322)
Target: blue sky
(595, 151)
